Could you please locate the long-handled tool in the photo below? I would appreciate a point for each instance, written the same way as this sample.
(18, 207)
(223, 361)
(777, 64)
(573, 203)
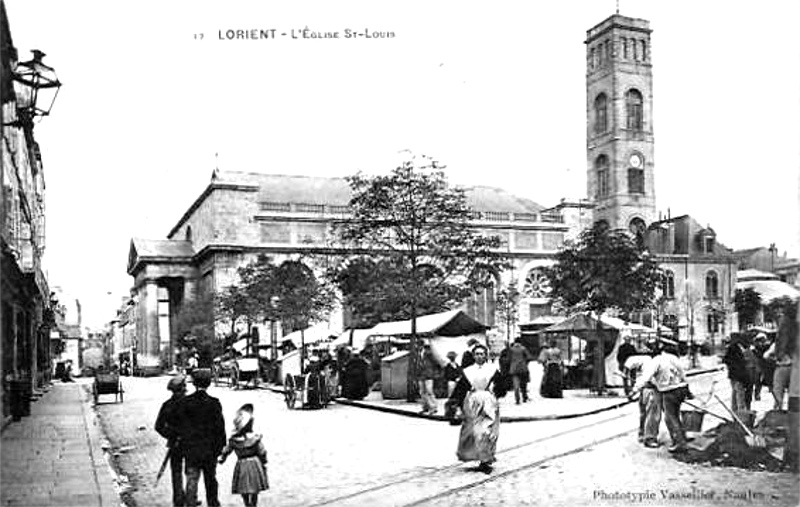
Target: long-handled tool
(705, 410)
(751, 439)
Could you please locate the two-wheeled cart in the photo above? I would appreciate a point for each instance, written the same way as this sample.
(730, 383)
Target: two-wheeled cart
(107, 383)
(310, 389)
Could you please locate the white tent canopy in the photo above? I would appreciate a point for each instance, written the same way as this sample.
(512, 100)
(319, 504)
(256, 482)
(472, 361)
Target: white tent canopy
(446, 331)
(768, 288)
(312, 335)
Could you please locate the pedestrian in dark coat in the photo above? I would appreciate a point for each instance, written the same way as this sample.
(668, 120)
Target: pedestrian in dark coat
(355, 385)
(452, 372)
(429, 372)
(626, 350)
(737, 373)
(167, 427)
(519, 359)
(201, 429)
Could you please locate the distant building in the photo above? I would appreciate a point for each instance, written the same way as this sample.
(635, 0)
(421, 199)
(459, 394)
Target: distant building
(67, 336)
(767, 259)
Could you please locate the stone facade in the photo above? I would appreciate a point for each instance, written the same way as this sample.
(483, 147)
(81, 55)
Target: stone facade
(619, 127)
(242, 215)
(700, 280)
(26, 313)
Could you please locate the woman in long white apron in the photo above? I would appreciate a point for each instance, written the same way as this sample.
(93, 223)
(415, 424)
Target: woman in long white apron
(476, 392)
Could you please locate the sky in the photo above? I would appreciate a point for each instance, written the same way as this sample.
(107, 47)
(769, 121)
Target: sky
(155, 96)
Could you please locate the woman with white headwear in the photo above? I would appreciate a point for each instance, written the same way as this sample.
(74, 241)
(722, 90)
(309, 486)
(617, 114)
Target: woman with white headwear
(476, 392)
(250, 473)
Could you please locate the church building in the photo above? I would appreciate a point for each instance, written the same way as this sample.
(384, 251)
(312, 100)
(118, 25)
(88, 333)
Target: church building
(242, 215)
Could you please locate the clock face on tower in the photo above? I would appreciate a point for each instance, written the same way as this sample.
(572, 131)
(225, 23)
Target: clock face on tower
(636, 160)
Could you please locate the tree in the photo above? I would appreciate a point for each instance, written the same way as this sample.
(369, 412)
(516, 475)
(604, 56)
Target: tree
(194, 326)
(369, 287)
(298, 298)
(747, 303)
(774, 310)
(233, 305)
(419, 226)
(507, 307)
(604, 269)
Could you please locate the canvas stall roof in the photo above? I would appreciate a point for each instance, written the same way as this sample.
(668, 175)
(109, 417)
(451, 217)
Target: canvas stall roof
(754, 274)
(358, 337)
(317, 333)
(451, 323)
(585, 322)
(770, 290)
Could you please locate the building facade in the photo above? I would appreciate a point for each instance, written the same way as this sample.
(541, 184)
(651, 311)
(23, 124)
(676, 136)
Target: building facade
(619, 127)
(242, 215)
(25, 305)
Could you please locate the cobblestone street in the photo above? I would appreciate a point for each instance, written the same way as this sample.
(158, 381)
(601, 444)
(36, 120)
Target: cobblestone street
(350, 456)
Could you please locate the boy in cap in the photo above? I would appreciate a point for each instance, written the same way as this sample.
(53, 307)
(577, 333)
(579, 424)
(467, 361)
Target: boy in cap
(201, 429)
(167, 427)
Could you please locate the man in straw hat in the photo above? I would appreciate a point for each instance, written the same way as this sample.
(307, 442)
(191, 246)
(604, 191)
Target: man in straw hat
(202, 434)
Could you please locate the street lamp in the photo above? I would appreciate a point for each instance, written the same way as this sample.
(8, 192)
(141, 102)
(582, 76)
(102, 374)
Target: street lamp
(36, 86)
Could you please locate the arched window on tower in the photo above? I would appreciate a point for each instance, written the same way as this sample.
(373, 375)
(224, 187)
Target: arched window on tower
(601, 168)
(669, 285)
(635, 181)
(644, 51)
(634, 109)
(601, 114)
(625, 48)
(188, 233)
(712, 285)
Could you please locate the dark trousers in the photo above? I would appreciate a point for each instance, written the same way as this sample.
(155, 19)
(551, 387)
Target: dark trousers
(209, 469)
(176, 462)
(672, 401)
(520, 382)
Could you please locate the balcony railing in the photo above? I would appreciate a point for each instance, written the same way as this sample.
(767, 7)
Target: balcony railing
(343, 210)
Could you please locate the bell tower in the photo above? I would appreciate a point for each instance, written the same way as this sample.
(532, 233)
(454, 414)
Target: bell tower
(619, 123)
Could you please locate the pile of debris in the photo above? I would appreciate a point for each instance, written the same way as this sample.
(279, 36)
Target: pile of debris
(729, 445)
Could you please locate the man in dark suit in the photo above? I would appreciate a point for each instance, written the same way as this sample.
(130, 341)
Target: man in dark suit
(167, 427)
(202, 433)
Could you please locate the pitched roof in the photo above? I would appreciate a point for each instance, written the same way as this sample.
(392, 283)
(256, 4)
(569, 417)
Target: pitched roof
(157, 249)
(336, 191)
(162, 248)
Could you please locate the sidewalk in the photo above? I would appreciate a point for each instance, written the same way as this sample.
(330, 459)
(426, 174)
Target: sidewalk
(55, 455)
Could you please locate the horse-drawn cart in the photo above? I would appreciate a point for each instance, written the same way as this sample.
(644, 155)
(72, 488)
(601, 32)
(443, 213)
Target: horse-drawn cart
(107, 383)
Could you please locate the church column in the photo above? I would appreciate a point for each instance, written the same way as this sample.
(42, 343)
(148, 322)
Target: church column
(150, 343)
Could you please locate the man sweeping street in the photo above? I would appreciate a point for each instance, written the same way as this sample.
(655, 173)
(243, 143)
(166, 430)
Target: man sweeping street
(667, 374)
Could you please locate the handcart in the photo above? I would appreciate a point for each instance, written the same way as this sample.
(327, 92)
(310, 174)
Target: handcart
(311, 390)
(107, 383)
(245, 371)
